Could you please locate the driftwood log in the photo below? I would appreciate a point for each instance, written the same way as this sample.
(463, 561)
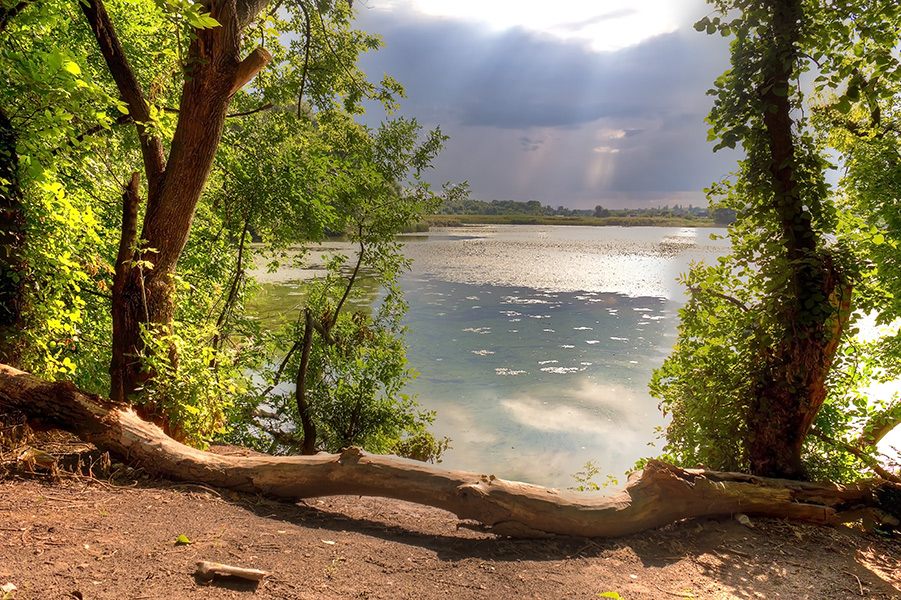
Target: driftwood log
(658, 495)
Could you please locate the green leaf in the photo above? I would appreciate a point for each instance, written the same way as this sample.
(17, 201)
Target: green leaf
(202, 21)
(843, 106)
(72, 67)
(182, 540)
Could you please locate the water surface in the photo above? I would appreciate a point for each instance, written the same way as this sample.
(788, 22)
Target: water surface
(535, 344)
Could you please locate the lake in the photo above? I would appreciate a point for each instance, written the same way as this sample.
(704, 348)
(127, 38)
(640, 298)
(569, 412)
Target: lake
(535, 344)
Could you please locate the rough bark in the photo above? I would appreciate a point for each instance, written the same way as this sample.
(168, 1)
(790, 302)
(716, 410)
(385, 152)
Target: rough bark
(659, 495)
(131, 201)
(791, 385)
(214, 72)
(303, 406)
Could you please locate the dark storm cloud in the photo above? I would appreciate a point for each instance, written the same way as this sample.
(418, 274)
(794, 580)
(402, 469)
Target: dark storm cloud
(530, 144)
(519, 79)
(588, 125)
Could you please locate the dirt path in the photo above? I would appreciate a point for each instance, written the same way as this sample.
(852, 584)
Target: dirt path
(90, 540)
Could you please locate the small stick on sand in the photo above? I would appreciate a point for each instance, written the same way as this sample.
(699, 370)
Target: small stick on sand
(208, 570)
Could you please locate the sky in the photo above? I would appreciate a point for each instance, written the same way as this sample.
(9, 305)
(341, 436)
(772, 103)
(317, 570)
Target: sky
(571, 103)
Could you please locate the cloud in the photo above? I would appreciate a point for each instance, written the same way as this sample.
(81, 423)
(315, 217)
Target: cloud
(530, 115)
(530, 144)
(601, 18)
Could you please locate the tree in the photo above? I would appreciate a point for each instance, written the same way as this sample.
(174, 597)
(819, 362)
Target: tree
(54, 251)
(12, 227)
(170, 72)
(762, 329)
(348, 364)
(143, 293)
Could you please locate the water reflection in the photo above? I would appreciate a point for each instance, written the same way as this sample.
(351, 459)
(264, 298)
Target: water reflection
(556, 373)
(633, 261)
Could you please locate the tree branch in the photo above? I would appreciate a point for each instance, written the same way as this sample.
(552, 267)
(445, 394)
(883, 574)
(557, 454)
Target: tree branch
(249, 67)
(865, 458)
(7, 14)
(281, 369)
(303, 407)
(247, 10)
(130, 202)
(659, 495)
(351, 281)
(734, 301)
(879, 425)
(233, 288)
(306, 60)
(129, 88)
(325, 333)
(266, 106)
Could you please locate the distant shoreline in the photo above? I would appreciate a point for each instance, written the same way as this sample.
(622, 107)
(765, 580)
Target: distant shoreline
(637, 221)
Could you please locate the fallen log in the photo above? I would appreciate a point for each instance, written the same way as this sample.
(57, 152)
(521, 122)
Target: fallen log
(658, 495)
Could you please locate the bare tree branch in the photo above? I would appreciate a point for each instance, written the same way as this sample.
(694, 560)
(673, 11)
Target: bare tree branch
(252, 64)
(266, 106)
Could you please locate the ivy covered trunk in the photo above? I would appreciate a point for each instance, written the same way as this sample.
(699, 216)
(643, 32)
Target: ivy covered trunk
(790, 385)
(759, 337)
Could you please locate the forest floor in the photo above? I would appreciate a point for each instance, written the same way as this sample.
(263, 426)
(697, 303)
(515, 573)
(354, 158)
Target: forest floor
(64, 536)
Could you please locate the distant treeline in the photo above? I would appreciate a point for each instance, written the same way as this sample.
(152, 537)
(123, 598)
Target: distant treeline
(533, 212)
(635, 221)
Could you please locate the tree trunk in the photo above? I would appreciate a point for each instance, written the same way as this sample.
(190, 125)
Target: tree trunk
(12, 242)
(214, 72)
(659, 495)
(304, 410)
(791, 382)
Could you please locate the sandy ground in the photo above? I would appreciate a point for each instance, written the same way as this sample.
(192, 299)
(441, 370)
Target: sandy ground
(83, 538)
